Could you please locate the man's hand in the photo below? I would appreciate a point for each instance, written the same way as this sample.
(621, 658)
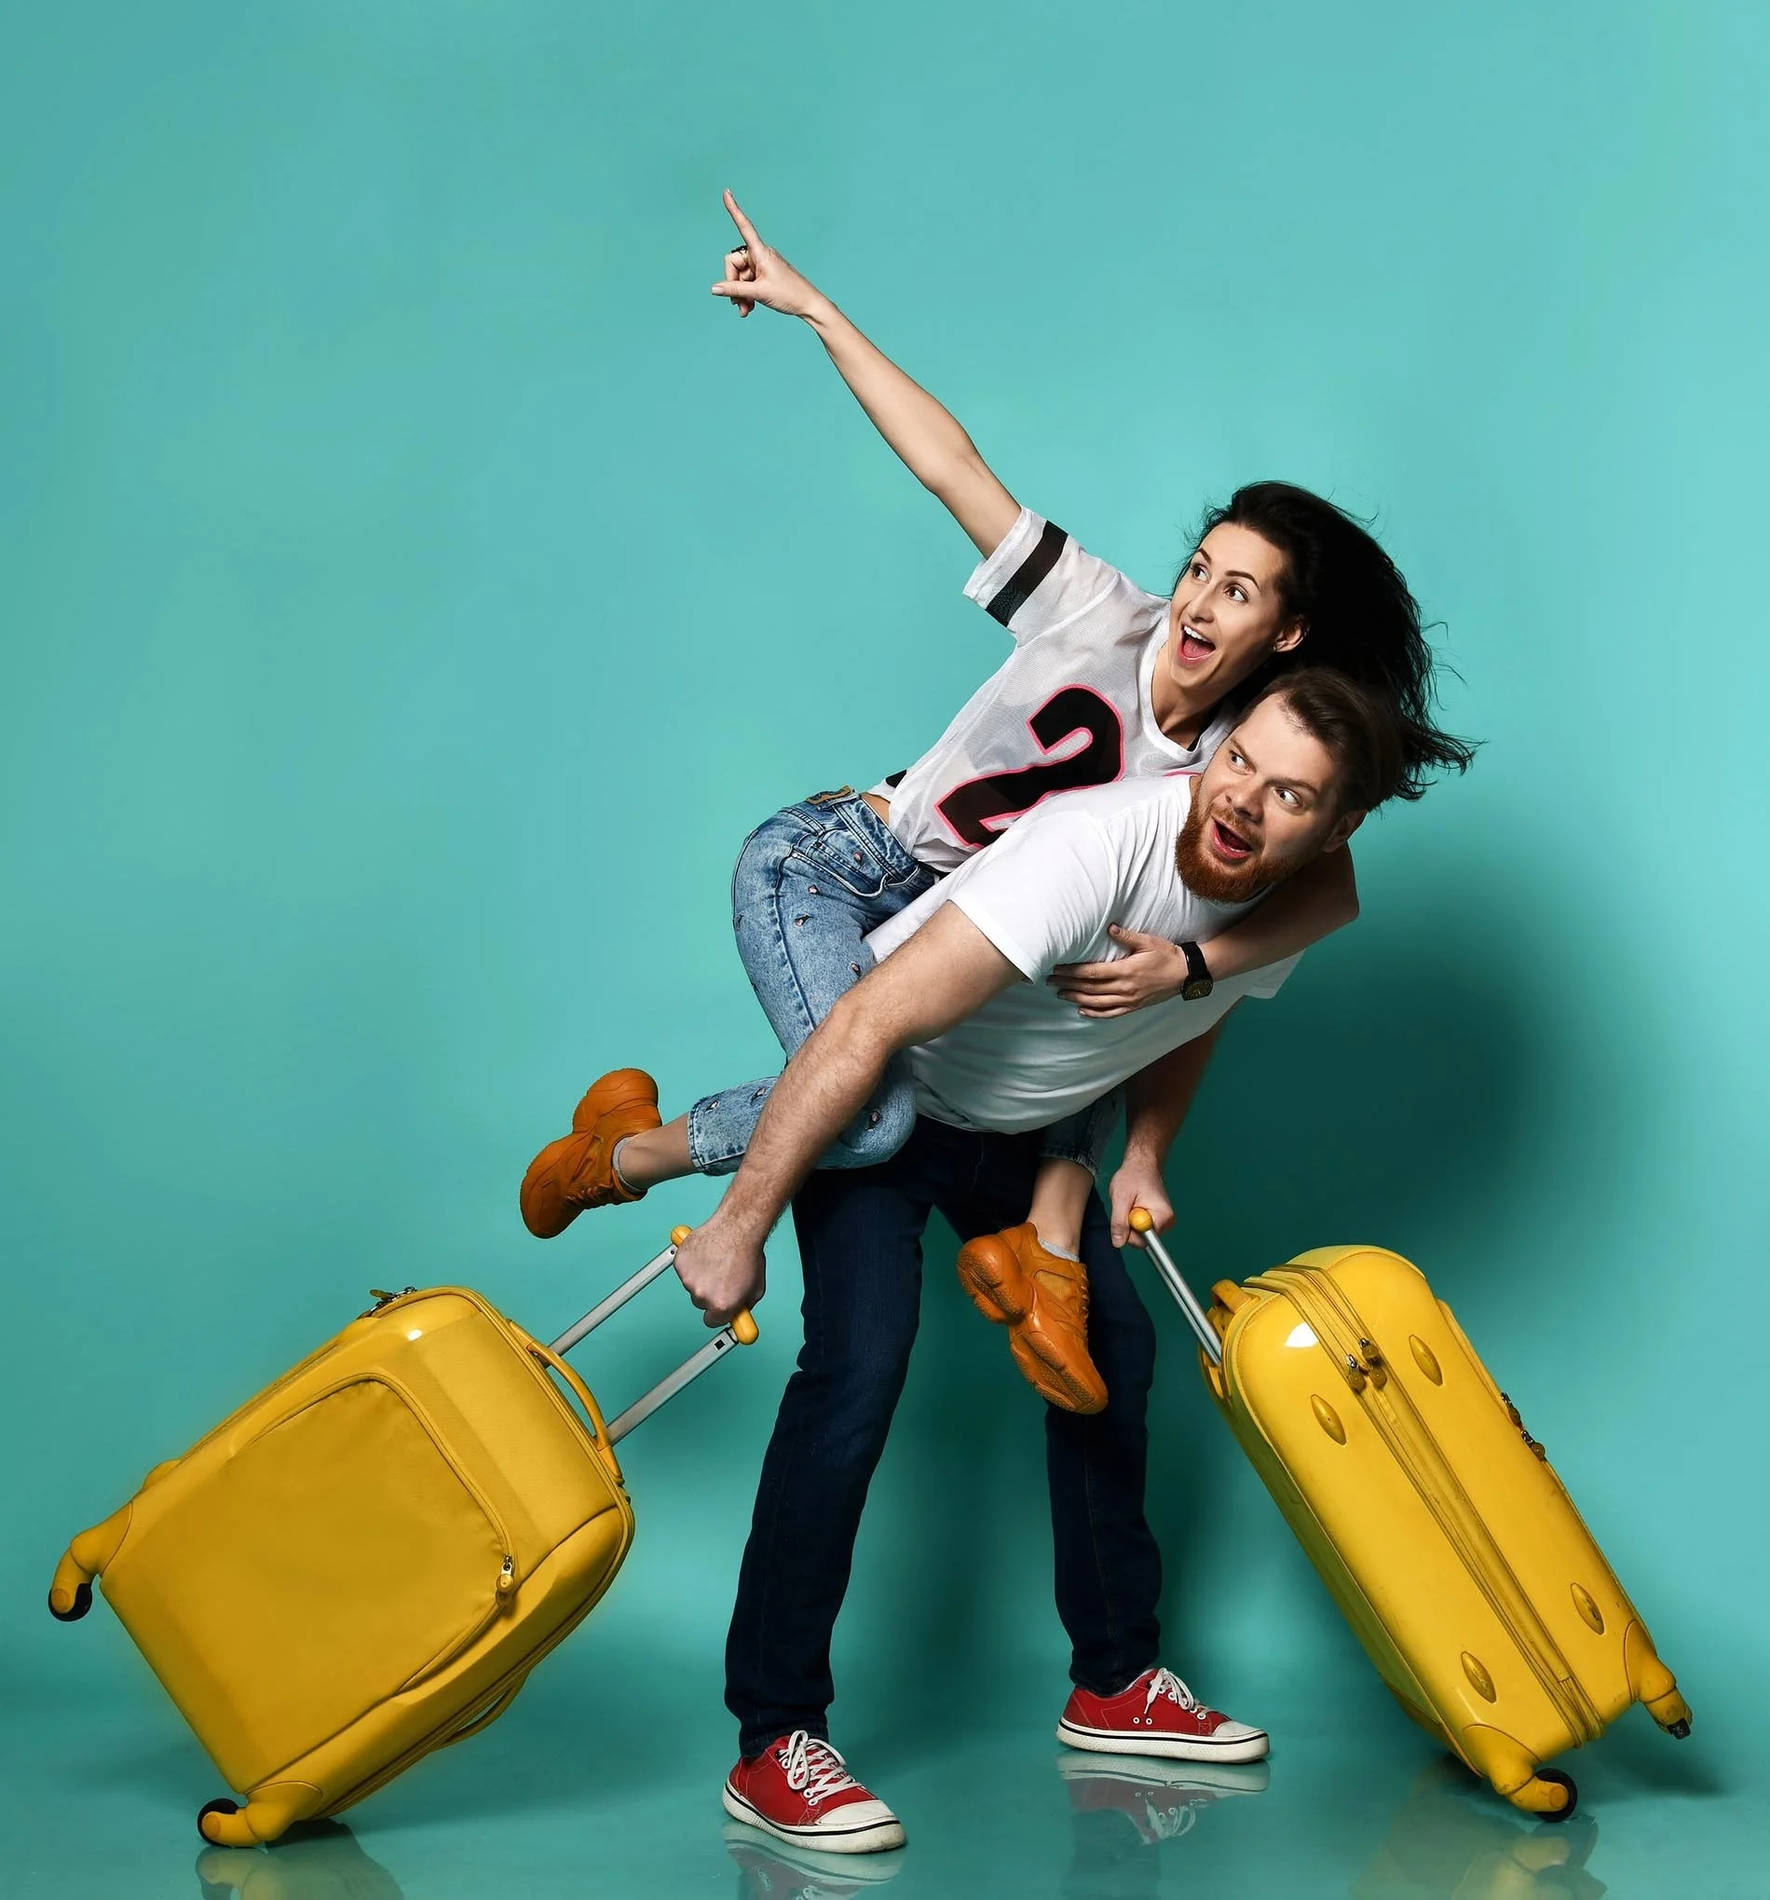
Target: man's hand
(721, 1275)
(757, 275)
(1138, 1183)
(1154, 971)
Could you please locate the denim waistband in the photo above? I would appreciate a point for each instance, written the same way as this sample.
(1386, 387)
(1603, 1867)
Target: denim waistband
(848, 807)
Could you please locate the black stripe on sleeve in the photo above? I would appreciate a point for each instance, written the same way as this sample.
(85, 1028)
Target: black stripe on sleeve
(1018, 588)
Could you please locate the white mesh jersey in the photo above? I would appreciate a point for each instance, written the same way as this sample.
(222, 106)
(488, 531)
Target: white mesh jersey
(1070, 707)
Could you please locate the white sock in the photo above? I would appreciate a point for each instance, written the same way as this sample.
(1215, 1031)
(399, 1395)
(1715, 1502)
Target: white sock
(615, 1163)
(1062, 1253)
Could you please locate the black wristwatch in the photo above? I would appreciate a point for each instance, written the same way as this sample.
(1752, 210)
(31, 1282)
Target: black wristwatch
(1198, 984)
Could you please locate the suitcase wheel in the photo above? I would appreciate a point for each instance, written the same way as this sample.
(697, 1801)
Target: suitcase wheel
(223, 1806)
(1679, 1731)
(271, 1812)
(1556, 1780)
(81, 1604)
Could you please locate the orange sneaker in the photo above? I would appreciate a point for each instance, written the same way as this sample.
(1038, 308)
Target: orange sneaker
(578, 1170)
(1042, 1299)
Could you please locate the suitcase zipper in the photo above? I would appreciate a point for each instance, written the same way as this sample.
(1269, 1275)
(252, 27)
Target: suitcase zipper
(451, 1731)
(1410, 1440)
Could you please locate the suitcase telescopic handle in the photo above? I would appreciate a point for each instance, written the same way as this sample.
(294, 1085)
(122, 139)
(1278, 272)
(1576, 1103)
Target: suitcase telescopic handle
(1144, 1223)
(740, 1332)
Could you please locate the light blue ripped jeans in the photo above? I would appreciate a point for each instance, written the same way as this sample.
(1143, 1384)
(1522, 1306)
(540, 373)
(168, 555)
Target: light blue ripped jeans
(810, 884)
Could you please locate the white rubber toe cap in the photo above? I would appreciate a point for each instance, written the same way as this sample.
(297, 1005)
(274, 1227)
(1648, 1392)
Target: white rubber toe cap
(858, 1817)
(859, 1827)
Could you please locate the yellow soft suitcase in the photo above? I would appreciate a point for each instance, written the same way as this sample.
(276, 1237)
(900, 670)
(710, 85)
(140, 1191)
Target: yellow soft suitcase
(1431, 1514)
(365, 1562)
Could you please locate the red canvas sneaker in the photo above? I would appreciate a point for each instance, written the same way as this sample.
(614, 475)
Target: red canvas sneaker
(799, 1789)
(1157, 1715)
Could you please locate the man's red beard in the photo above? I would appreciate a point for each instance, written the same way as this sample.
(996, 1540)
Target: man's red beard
(1207, 876)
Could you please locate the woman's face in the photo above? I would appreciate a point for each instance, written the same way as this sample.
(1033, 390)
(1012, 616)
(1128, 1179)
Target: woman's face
(1227, 614)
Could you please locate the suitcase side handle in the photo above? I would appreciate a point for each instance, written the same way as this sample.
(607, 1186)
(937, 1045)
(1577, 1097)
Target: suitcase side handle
(551, 1362)
(1144, 1223)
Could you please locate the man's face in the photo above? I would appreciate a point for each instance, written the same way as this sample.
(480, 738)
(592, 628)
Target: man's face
(1265, 805)
(1227, 614)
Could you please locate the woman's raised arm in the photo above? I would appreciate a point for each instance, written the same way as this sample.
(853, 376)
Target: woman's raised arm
(930, 442)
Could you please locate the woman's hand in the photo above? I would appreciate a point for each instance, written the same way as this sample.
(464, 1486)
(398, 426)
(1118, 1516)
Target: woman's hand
(1153, 971)
(754, 275)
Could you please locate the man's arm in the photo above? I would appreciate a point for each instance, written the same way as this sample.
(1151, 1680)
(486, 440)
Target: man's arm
(929, 441)
(1156, 1103)
(1320, 899)
(948, 969)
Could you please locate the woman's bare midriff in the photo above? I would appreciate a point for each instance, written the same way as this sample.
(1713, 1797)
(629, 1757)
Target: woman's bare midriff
(882, 806)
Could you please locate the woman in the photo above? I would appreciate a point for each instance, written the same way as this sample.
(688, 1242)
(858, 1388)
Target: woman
(1105, 681)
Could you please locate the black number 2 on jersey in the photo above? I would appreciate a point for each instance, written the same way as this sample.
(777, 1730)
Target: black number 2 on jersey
(978, 811)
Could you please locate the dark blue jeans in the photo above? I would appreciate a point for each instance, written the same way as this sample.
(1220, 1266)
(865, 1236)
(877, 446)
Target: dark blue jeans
(860, 1239)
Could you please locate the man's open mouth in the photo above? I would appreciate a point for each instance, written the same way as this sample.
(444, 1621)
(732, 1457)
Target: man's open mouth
(1194, 647)
(1230, 844)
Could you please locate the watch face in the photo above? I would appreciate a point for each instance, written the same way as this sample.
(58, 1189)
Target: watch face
(1196, 989)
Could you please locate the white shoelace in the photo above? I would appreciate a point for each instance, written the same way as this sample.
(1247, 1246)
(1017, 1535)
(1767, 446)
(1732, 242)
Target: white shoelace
(1165, 1682)
(814, 1769)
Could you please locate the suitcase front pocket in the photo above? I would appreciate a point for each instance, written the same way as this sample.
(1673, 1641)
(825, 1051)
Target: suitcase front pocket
(336, 1559)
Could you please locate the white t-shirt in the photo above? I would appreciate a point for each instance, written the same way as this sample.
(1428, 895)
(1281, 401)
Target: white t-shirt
(1070, 707)
(1044, 895)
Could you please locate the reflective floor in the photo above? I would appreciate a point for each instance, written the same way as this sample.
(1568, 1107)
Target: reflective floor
(99, 1805)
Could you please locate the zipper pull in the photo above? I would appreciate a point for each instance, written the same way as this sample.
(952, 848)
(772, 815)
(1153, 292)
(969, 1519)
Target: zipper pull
(1523, 1431)
(507, 1581)
(1374, 1364)
(1356, 1375)
(382, 1297)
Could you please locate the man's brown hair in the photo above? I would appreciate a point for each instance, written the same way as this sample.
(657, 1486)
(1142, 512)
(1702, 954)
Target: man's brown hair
(1362, 731)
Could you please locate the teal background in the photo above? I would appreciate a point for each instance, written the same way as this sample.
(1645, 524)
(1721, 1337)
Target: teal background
(414, 587)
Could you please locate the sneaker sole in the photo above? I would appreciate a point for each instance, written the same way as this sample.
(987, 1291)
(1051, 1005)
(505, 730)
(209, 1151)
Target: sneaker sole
(1099, 1741)
(987, 1294)
(873, 1838)
(1060, 1386)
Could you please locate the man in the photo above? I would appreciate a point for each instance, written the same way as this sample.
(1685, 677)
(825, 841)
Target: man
(995, 1054)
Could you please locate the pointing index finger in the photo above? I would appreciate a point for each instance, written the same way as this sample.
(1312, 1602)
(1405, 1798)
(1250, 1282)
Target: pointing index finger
(745, 228)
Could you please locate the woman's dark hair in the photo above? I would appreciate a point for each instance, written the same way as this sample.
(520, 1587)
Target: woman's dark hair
(1361, 618)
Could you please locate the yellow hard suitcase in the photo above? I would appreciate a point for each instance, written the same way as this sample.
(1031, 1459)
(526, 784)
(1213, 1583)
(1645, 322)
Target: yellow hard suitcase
(365, 1562)
(1431, 1514)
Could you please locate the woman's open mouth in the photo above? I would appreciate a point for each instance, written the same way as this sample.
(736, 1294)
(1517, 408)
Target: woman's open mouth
(1193, 647)
(1230, 844)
